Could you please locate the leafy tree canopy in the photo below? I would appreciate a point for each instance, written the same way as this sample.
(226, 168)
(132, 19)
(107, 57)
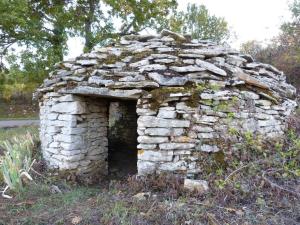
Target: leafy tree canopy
(34, 34)
(197, 21)
(41, 28)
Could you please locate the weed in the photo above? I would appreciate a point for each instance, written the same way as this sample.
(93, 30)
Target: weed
(17, 161)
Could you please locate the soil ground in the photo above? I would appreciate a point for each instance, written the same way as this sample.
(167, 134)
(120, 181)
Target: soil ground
(166, 203)
(261, 186)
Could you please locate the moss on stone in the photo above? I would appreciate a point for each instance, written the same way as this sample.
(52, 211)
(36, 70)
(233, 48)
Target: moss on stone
(111, 59)
(161, 94)
(141, 55)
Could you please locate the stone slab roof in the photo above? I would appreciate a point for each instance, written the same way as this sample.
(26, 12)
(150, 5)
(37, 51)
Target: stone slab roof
(146, 62)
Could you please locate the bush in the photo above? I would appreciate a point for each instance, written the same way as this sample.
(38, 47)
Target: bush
(17, 91)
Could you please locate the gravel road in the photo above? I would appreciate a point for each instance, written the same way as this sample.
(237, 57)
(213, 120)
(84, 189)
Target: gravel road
(17, 123)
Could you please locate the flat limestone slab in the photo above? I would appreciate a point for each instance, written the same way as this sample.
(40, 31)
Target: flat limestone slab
(104, 92)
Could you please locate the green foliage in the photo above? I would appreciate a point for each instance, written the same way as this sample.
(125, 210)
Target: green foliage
(7, 134)
(16, 163)
(290, 154)
(39, 30)
(17, 90)
(197, 21)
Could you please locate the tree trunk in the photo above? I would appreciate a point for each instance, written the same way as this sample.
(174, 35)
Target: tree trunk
(58, 40)
(89, 38)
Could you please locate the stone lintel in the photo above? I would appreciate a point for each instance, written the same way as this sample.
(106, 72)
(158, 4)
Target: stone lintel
(104, 92)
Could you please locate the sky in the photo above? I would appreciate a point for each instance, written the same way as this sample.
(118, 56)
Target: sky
(247, 19)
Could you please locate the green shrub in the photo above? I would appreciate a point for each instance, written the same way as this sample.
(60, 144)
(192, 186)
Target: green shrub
(17, 90)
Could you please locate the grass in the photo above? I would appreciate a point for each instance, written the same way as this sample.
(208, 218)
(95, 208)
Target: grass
(22, 109)
(239, 194)
(7, 134)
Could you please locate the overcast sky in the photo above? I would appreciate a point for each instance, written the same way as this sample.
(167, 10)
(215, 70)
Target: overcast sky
(248, 19)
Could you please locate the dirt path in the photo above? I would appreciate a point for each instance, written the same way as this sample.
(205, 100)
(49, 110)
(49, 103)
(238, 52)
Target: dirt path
(18, 123)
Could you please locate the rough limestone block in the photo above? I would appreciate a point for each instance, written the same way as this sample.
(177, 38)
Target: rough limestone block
(52, 116)
(164, 131)
(152, 140)
(145, 167)
(196, 185)
(166, 114)
(155, 156)
(69, 98)
(151, 121)
(147, 146)
(67, 138)
(207, 148)
(173, 166)
(211, 67)
(207, 135)
(145, 112)
(202, 129)
(70, 153)
(70, 107)
(74, 130)
(67, 117)
(71, 146)
(176, 146)
(206, 119)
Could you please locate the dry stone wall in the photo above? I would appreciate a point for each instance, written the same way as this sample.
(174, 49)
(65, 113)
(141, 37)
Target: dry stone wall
(73, 132)
(192, 96)
(173, 136)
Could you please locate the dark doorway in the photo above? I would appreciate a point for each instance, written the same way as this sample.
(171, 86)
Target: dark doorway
(122, 139)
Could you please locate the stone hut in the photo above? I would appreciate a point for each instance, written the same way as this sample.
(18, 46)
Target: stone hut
(152, 104)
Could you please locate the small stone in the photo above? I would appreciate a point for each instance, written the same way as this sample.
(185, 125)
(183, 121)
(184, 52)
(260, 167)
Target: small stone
(164, 61)
(166, 114)
(263, 103)
(211, 67)
(146, 146)
(164, 131)
(87, 62)
(152, 67)
(151, 121)
(142, 196)
(207, 148)
(69, 107)
(176, 146)
(200, 186)
(172, 34)
(235, 60)
(143, 62)
(202, 129)
(173, 166)
(145, 167)
(152, 140)
(185, 69)
(155, 156)
(250, 95)
(168, 81)
(207, 119)
(99, 81)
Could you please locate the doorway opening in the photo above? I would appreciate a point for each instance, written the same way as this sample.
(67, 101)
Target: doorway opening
(122, 139)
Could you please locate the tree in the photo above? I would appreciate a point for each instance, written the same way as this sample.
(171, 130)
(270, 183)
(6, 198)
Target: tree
(39, 24)
(197, 21)
(97, 21)
(41, 28)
